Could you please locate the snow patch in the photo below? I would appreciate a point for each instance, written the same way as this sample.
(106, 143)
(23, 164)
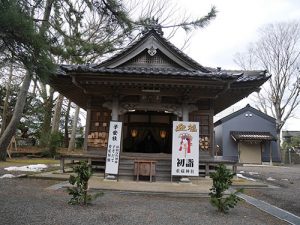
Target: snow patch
(7, 176)
(247, 178)
(285, 179)
(253, 173)
(270, 179)
(242, 171)
(29, 168)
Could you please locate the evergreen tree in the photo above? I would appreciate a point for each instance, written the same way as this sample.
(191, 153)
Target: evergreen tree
(37, 33)
(20, 39)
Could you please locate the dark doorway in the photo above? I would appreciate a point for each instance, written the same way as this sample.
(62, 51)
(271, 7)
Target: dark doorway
(148, 132)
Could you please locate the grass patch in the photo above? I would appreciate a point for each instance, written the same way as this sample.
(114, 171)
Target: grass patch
(238, 181)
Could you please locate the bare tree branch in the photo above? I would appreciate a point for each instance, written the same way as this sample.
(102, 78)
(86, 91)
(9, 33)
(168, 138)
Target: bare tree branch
(278, 51)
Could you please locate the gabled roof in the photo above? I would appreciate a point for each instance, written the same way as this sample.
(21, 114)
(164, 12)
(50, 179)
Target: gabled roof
(248, 108)
(175, 63)
(153, 59)
(152, 40)
(152, 46)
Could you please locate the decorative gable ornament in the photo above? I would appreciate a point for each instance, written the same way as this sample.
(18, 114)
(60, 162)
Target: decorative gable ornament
(152, 51)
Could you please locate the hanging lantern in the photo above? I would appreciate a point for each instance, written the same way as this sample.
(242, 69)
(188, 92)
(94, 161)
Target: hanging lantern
(163, 134)
(134, 133)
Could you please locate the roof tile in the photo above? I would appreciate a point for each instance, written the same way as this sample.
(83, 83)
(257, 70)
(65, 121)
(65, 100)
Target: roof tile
(252, 135)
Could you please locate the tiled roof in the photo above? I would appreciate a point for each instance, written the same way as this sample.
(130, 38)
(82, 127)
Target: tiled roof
(252, 135)
(238, 76)
(148, 70)
(248, 75)
(169, 62)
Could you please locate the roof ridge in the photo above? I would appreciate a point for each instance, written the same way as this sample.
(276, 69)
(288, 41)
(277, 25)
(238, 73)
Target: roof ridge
(188, 60)
(240, 111)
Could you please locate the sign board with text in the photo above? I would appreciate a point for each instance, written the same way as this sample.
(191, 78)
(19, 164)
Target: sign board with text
(113, 148)
(185, 149)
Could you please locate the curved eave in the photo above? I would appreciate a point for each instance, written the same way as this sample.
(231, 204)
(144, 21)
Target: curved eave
(232, 87)
(163, 72)
(64, 85)
(238, 90)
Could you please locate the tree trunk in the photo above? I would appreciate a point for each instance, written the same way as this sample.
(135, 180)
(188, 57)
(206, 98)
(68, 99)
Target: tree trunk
(12, 126)
(46, 125)
(47, 118)
(57, 113)
(7, 94)
(67, 116)
(74, 126)
(278, 143)
(271, 154)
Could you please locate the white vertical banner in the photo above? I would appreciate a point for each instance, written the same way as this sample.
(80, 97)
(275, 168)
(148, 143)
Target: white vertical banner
(185, 149)
(113, 148)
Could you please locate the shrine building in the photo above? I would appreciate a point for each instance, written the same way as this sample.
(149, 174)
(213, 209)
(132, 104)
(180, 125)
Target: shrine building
(147, 86)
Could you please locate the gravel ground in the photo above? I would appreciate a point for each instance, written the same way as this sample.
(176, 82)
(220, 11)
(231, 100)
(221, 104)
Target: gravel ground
(287, 179)
(28, 201)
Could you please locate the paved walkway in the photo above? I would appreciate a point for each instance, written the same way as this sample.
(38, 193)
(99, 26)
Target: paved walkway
(199, 188)
(154, 187)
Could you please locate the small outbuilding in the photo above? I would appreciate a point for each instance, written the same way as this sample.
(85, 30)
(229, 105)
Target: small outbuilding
(248, 136)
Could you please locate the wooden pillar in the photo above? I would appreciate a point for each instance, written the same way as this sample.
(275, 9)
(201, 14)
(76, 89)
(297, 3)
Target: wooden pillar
(206, 169)
(62, 164)
(115, 109)
(213, 147)
(87, 129)
(211, 129)
(185, 112)
(114, 117)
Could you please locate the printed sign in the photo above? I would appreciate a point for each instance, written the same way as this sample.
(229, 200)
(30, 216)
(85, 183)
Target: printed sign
(113, 148)
(185, 149)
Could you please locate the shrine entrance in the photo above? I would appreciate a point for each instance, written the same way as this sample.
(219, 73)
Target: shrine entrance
(148, 132)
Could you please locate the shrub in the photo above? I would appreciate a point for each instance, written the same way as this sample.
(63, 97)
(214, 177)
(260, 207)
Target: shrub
(79, 191)
(222, 179)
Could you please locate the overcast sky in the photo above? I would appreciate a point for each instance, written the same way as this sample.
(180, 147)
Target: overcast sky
(235, 26)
